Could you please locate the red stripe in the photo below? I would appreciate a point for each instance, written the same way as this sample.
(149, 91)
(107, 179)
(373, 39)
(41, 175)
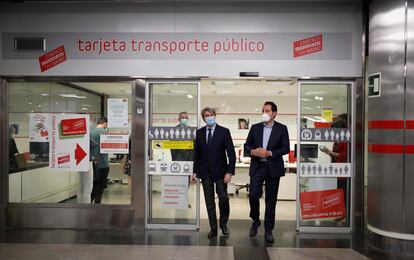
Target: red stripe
(386, 124)
(391, 148)
(409, 124)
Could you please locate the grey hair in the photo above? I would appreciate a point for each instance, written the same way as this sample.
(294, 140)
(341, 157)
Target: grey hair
(207, 109)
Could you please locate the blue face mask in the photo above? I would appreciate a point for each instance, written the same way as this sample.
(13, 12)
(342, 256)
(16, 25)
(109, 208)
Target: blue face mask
(211, 120)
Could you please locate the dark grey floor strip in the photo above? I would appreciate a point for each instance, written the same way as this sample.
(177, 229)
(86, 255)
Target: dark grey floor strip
(250, 253)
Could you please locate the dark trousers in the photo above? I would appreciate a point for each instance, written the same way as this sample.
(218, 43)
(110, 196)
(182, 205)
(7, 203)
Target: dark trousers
(221, 190)
(262, 175)
(100, 179)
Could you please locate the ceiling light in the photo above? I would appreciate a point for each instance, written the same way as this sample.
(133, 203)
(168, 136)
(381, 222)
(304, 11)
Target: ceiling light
(45, 95)
(71, 96)
(190, 96)
(307, 108)
(173, 91)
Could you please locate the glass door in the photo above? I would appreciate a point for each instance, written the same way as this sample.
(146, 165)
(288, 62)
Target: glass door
(172, 198)
(326, 156)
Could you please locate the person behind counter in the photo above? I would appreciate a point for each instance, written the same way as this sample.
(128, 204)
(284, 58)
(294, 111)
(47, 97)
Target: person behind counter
(13, 151)
(339, 154)
(100, 161)
(183, 154)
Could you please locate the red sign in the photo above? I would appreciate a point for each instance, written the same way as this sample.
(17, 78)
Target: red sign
(73, 126)
(64, 159)
(52, 58)
(114, 145)
(322, 204)
(307, 46)
(79, 154)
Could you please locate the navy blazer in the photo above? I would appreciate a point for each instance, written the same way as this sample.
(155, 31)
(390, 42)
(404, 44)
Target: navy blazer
(278, 144)
(211, 159)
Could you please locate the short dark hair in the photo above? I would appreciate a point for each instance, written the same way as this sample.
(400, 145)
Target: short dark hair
(182, 113)
(102, 120)
(208, 109)
(272, 104)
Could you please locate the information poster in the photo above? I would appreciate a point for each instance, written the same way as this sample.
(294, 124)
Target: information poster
(117, 112)
(327, 113)
(114, 143)
(39, 127)
(174, 192)
(322, 204)
(69, 142)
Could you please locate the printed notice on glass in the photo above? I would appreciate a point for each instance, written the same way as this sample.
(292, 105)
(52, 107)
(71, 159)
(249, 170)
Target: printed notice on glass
(117, 112)
(174, 192)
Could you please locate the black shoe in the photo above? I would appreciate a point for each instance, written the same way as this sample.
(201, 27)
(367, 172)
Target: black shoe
(253, 229)
(212, 234)
(225, 230)
(269, 237)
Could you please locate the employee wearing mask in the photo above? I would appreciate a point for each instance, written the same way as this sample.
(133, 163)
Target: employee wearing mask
(211, 166)
(266, 143)
(183, 154)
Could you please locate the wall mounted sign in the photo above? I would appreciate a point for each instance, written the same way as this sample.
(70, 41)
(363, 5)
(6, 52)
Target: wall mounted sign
(374, 85)
(325, 170)
(326, 134)
(172, 133)
(170, 168)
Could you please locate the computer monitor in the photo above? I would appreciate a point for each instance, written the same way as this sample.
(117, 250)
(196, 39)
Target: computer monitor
(307, 151)
(40, 150)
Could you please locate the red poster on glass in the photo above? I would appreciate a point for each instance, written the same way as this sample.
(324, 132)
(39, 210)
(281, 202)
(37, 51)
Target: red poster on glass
(322, 204)
(307, 46)
(52, 58)
(73, 126)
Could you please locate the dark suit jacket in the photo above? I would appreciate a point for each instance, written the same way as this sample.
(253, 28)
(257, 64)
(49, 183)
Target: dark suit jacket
(278, 144)
(211, 159)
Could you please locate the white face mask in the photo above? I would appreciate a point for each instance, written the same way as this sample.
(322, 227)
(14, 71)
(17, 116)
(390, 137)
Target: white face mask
(266, 117)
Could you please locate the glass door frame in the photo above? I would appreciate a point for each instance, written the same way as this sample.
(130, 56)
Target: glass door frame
(147, 179)
(352, 99)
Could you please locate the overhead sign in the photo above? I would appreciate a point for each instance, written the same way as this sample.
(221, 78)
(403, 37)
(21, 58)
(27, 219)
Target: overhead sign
(114, 143)
(322, 204)
(69, 142)
(172, 133)
(325, 170)
(52, 58)
(39, 126)
(374, 85)
(117, 112)
(193, 46)
(326, 134)
(170, 168)
(174, 192)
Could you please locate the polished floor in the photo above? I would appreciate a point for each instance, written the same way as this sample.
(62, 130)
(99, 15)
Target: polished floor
(100, 244)
(137, 252)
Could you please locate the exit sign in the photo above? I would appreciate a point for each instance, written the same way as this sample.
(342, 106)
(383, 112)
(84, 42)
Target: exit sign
(374, 85)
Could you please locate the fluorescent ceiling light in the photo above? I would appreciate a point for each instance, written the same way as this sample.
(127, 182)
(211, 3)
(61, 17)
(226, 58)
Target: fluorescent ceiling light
(173, 91)
(71, 96)
(305, 99)
(45, 95)
(190, 96)
(307, 108)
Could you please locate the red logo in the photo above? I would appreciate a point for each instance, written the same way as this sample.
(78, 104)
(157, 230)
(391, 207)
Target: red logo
(307, 46)
(322, 204)
(52, 58)
(64, 159)
(73, 126)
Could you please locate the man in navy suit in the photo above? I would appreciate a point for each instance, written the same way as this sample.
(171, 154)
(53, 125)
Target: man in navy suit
(211, 166)
(266, 143)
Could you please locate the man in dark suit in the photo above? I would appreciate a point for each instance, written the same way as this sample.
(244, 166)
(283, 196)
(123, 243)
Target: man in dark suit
(211, 166)
(266, 143)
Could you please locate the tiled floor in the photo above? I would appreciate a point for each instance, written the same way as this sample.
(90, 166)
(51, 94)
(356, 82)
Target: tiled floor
(137, 252)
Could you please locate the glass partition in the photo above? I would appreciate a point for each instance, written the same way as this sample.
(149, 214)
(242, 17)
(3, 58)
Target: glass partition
(32, 108)
(325, 164)
(173, 200)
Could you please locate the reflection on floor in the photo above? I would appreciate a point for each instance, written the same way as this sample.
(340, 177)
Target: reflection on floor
(137, 252)
(118, 193)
